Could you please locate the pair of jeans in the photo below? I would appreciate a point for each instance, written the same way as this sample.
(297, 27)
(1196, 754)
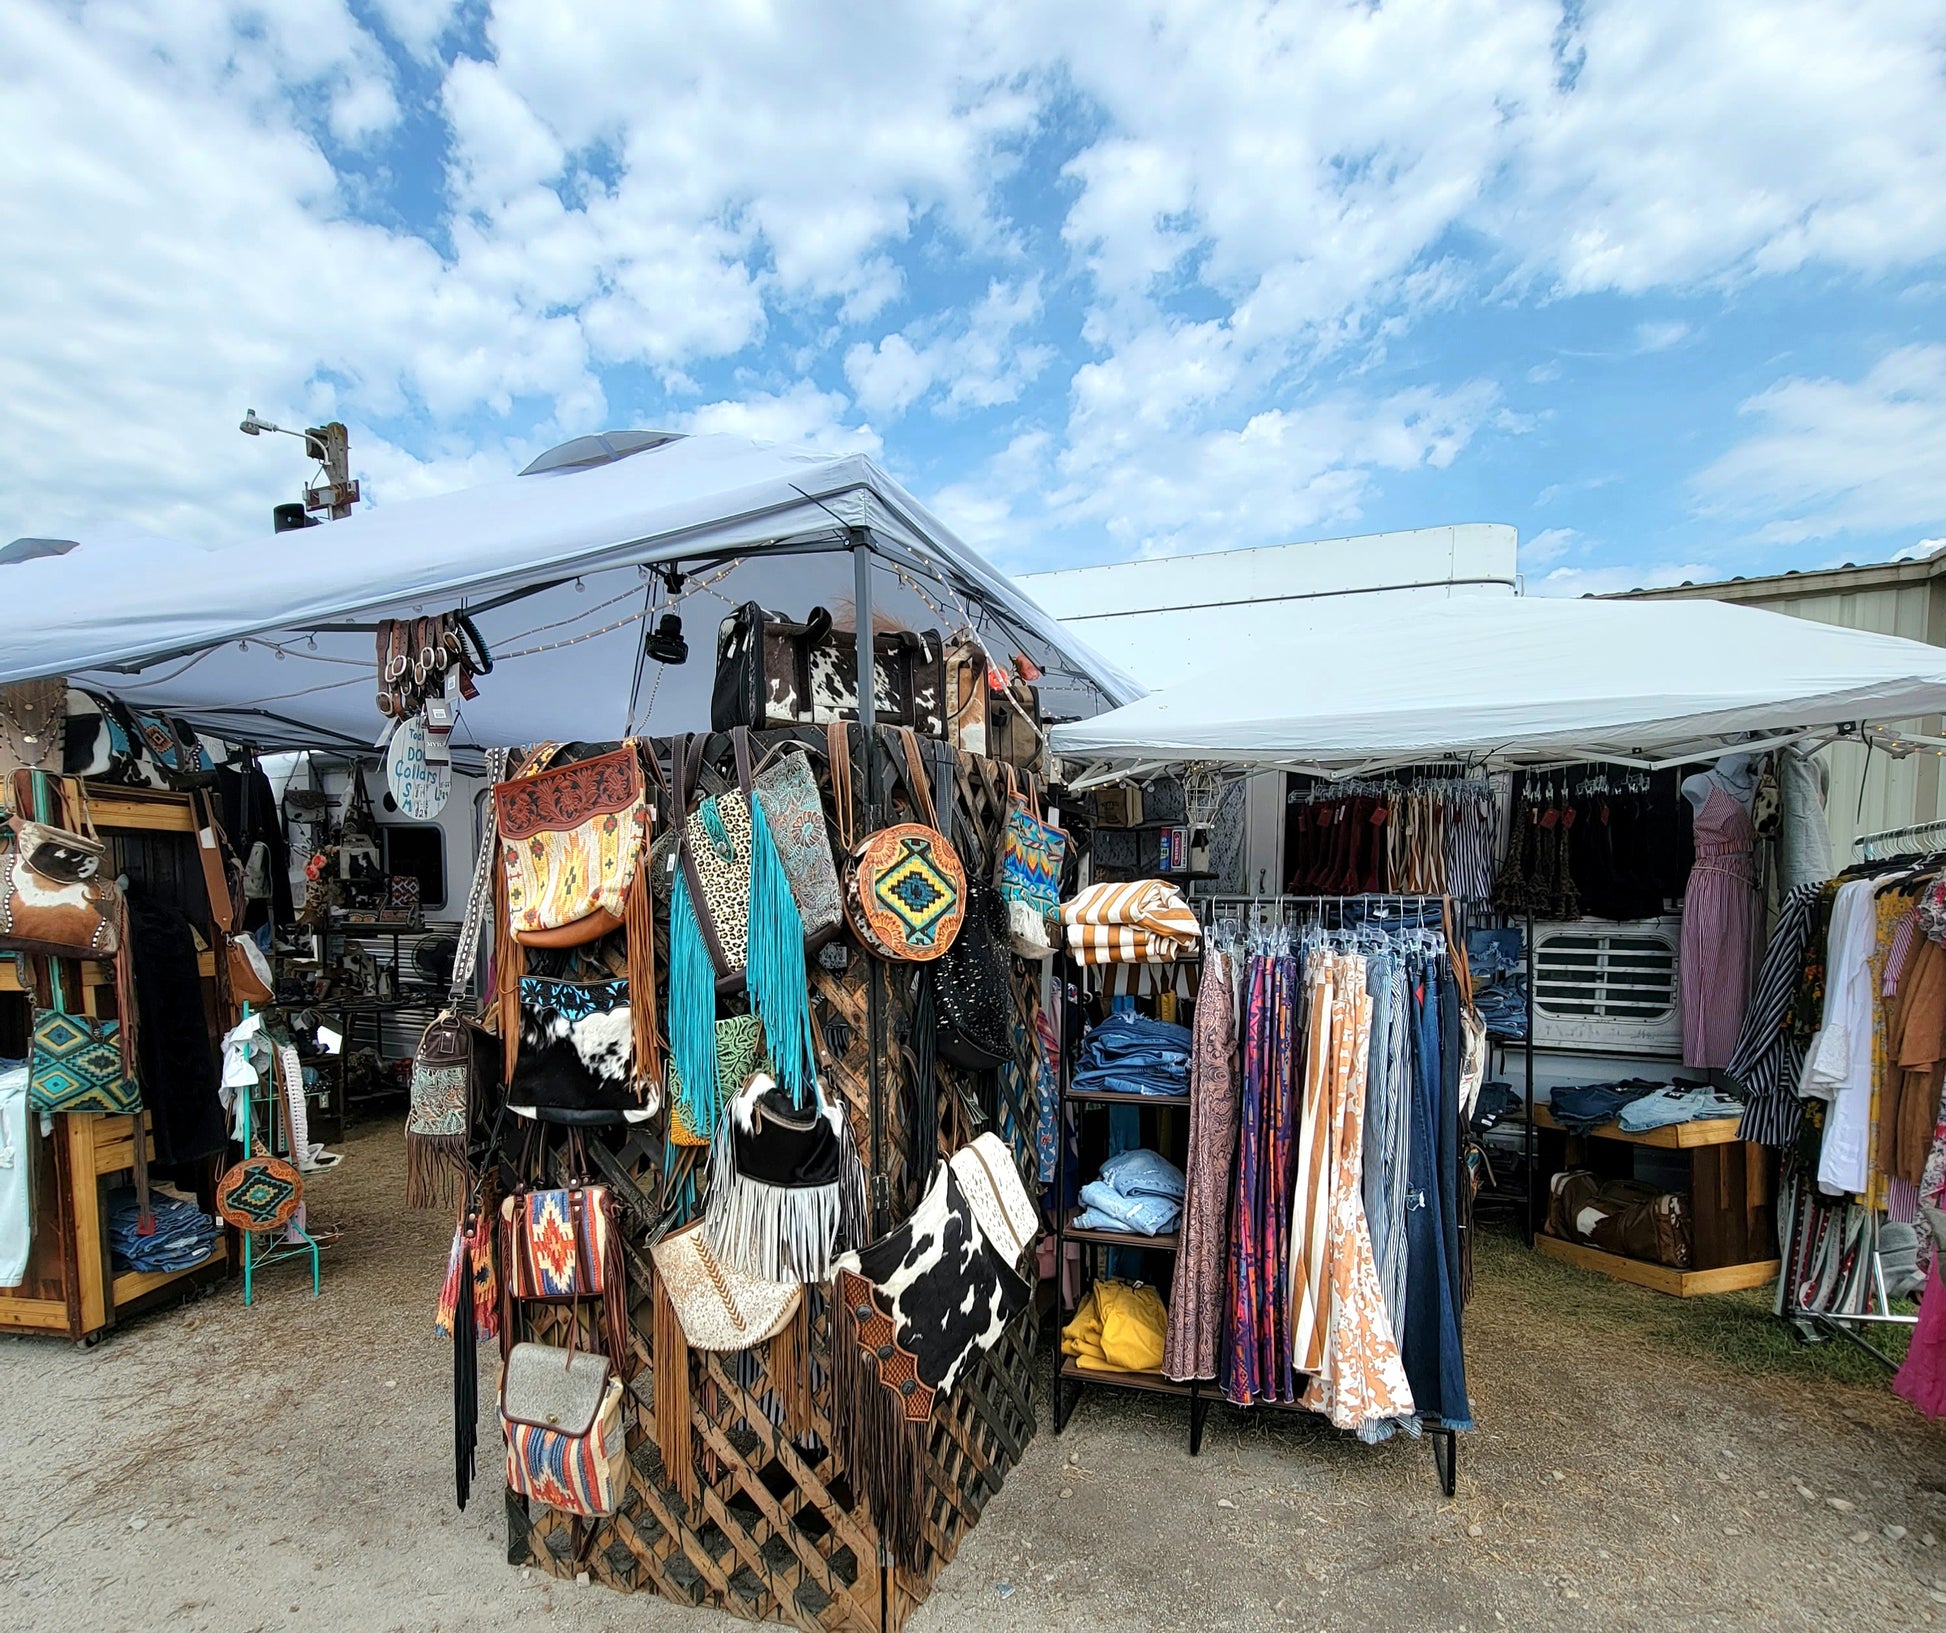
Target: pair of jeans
(1676, 1103)
(1125, 1035)
(1387, 1133)
(1105, 1208)
(1143, 1173)
(1579, 1107)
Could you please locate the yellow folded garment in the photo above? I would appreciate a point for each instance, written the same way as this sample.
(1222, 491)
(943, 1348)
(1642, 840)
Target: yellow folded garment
(1118, 1328)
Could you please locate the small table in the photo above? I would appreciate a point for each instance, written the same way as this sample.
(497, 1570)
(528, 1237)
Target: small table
(1732, 1205)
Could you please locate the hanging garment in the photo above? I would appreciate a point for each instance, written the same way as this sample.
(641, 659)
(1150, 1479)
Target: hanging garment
(176, 1058)
(1718, 905)
(1254, 1363)
(1361, 1381)
(1916, 1067)
(265, 827)
(16, 1175)
(1768, 1059)
(1922, 1379)
(1315, 1175)
(1387, 1136)
(1196, 1295)
(1839, 1066)
(1435, 1365)
(1803, 834)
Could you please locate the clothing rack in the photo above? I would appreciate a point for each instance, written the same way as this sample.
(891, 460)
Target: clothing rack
(1915, 839)
(1288, 910)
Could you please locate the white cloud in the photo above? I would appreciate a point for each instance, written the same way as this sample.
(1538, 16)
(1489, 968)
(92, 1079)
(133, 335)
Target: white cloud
(1659, 336)
(1839, 456)
(984, 365)
(801, 415)
(1549, 546)
(1564, 581)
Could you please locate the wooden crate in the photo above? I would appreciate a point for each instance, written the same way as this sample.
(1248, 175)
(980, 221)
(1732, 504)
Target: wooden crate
(777, 1532)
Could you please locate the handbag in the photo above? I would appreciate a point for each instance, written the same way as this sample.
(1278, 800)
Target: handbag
(76, 1063)
(787, 1190)
(561, 1246)
(972, 984)
(571, 841)
(739, 1053)
(773, 672)
(786, 786)
(1031, 856)
(905, 890)
(576, 1062)
(567, 1445)
(244, 963)
(260, 1193)
(969, 695)
(453, 1060)
(714, 851)
(701, 1303)
(54, 897)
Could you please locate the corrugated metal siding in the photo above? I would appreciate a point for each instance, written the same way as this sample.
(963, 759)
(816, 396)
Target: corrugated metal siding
(1871, 788)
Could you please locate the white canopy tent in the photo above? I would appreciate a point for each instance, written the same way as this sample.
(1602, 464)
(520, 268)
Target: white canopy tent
(563, 570)
(1508, 681)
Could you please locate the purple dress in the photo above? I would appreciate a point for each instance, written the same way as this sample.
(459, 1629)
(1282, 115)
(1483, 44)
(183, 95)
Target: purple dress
(1717, 912)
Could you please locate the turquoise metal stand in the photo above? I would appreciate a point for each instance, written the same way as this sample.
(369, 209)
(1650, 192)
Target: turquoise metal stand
(253, 1260)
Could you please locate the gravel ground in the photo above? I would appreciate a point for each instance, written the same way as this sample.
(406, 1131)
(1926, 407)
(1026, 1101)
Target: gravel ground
(288, 1467)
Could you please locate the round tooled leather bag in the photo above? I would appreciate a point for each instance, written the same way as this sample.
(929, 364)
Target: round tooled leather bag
(905, 889)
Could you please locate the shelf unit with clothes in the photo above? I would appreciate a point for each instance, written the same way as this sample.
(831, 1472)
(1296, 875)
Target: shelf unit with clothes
(1335, 1146)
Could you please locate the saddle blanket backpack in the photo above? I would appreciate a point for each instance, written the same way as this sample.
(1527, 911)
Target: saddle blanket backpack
(571, 839)
(905, 888)
(567, 1444)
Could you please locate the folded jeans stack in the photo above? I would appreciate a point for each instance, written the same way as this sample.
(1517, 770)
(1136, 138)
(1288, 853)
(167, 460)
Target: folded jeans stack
(1677, 1103)
(1498, 963)
(184, 1235)
(1138, 1192)
(1580, 1107)
(1131, 1054)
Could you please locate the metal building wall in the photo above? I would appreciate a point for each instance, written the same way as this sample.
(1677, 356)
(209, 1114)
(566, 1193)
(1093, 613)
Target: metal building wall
(1871, 788)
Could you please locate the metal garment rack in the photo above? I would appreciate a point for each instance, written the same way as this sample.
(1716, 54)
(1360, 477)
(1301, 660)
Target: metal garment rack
(1915, 841)
(1257, 911)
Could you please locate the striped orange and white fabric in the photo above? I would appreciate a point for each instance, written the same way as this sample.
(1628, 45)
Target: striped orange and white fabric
(1142, 922)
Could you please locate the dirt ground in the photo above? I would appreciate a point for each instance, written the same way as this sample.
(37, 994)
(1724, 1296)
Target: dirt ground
(289, 1467)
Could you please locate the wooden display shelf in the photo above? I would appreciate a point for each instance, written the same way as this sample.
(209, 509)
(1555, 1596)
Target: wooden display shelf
(1673, 1137)
(1729, 1278)
(1167, 1242)
(96, 972)
(1151, 1383)
(1113, 1097)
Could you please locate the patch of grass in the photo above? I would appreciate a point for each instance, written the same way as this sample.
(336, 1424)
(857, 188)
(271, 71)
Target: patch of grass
(1737, 1330)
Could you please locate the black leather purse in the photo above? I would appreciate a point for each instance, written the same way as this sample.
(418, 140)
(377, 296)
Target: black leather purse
(973, 981)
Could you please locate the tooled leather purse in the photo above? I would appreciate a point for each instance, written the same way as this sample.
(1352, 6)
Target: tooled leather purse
(905, 888)
(571, 840)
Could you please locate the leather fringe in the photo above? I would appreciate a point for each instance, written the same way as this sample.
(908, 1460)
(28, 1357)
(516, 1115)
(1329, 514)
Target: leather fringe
(873, 1439)
(435, 1170)
(790, 1370)
(672, 1407)
(638, 916)
(509, 965)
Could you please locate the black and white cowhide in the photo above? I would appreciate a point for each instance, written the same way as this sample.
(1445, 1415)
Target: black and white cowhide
(949, 1293)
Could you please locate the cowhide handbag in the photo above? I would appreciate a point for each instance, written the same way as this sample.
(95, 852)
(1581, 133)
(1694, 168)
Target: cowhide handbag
(571, 839)
(773, 672)
(576, 1062)
(905, 889)
(54, 896)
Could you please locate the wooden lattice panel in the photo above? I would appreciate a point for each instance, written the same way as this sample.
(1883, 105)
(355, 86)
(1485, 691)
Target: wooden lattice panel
(776, 1532)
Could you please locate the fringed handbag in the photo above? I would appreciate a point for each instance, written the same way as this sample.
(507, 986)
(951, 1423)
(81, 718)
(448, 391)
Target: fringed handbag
(703, 1304)
(561, 1247)
(787, 1191)
(786, 787)
(911, 1313)
(715, 851)
(469, 1315)
(572, 840)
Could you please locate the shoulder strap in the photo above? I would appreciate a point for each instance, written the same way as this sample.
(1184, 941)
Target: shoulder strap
(216, 877)
(837, 737)
(538, 758)
(481, 890)
(916, 773)
(740, 746)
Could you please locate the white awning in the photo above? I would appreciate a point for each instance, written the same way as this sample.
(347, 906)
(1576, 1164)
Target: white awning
(241, 641)
(1514, 681)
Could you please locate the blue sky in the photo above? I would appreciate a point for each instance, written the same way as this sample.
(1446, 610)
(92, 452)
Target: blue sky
(1663, 285)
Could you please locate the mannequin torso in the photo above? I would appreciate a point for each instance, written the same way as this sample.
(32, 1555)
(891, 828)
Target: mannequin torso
(1735, 774)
